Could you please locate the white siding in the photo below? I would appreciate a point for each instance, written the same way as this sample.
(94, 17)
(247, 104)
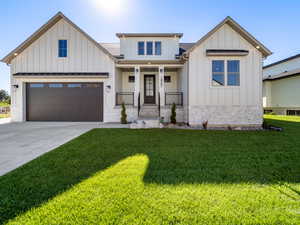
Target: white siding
(169, 48)
(282, 67)
(42, 56)
(284, 92)
(173, 86)
(222, 103)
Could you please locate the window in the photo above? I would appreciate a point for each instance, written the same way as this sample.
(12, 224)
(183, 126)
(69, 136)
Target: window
(131, 79)
(157, 48)
(293, 112)
(36, 85)
(55, 85)
(232, 68)
(62, 48)
(74, 85)
(233, 72)
(218, 72)
(149, 48)
(268, 111)
(141, 48)
(167, 79)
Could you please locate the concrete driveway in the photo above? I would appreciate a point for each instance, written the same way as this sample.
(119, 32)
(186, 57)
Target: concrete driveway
(22, 142)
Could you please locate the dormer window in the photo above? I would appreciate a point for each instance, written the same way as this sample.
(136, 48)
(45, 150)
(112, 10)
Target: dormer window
(152, 48)
(62, 48)
(158, 48)
(149, 48)
(141, 48)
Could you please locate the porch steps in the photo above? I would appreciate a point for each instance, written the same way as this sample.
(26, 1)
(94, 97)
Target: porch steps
(146, 122)
(149, 111)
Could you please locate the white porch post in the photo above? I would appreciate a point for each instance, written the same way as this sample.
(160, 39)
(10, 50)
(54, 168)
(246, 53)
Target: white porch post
(161, 82)
(136, 84)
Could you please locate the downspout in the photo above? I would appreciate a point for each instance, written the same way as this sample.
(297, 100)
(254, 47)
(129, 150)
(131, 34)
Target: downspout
(186, 58)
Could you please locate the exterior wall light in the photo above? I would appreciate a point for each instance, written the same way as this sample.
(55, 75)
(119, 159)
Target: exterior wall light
(137, 70)
(15, 86)
(161, 70)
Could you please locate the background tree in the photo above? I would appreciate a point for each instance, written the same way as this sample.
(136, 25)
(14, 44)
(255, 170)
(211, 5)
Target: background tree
(4, 96)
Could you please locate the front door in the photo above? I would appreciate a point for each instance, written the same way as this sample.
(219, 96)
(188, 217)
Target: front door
(149, 89)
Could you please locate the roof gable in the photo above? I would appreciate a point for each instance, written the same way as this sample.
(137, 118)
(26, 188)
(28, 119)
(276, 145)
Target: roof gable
(240, 30)
(42, 30)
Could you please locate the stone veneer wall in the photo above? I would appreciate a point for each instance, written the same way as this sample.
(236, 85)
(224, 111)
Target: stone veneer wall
(226, 115)
(166, 113)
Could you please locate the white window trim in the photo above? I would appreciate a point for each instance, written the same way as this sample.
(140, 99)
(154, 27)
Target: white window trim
(153, 48)
(225, 73)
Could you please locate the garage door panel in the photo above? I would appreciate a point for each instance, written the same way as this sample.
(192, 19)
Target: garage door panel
(65, 103)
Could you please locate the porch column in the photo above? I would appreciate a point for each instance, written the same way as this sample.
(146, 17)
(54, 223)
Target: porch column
(161, 83)
(136, 84)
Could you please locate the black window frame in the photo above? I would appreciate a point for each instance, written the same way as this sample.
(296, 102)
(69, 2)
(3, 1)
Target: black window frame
(141, 49)
(131, 79)
(156, 47)
(62, 48)
(149, 51)
(167, 79)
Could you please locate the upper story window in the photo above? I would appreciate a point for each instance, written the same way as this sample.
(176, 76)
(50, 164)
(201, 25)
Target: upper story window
(62, 48)
(232, 74)
(158, 48)
(141, 48)
(218, 72)
(149, 48)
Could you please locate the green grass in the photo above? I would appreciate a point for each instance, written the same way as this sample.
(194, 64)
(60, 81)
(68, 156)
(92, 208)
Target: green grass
(161, 176)
(4, 104)
(4, 115)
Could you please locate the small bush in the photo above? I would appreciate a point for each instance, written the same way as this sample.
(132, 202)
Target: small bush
(123, 114)
(204, 124)
(173, 114)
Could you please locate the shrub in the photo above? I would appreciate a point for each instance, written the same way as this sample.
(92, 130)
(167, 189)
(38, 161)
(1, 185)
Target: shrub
(123, 114)
(204, 124)
(173, 114)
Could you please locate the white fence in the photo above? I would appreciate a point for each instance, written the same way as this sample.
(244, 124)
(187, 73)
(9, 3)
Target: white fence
(4, 109)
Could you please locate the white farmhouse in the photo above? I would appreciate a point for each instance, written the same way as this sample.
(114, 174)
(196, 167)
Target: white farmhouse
(61, 74)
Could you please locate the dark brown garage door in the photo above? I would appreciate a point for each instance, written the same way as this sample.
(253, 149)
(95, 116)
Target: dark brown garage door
(64, 101)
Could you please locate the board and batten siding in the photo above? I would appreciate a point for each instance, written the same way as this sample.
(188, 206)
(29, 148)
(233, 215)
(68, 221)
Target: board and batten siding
(282, 93)
(169, 48)
(282, 67)
(225, 105)
(42, 56)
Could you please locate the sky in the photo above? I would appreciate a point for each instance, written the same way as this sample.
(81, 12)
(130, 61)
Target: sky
(274, 23)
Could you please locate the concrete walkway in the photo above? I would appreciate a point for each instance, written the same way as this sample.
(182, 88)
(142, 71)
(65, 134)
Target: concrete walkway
(22, 142)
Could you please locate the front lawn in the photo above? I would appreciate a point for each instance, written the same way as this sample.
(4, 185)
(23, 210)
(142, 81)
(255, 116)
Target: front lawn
(4, 115)
(161, 176)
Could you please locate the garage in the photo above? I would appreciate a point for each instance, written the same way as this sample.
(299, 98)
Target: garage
(64, 101)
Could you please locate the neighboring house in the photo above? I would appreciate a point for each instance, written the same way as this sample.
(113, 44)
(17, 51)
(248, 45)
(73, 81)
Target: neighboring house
(61, 74)
(281, 86)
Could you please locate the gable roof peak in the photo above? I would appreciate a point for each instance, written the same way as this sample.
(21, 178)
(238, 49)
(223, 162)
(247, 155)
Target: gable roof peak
(42, 30)
(240, 30)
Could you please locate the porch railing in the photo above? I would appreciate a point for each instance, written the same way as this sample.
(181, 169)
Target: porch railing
(174, 97)
(125, 97)
(158, 104)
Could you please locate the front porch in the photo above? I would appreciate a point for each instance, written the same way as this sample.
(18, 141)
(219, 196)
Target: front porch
(150, 89)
